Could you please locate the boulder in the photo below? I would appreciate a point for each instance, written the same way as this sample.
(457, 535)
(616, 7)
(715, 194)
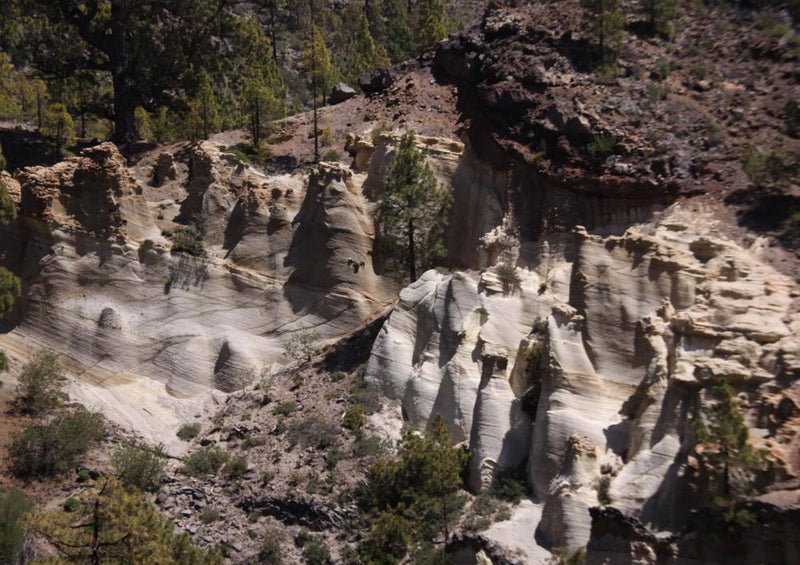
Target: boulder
(341, 92)
(377, 81)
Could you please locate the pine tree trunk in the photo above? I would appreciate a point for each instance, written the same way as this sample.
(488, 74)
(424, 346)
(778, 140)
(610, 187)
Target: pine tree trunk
(124, 95)
(412, 258)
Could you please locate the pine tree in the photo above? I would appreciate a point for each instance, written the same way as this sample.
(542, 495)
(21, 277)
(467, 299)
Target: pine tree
(431, 23)
(317, 61)
(115, 525)
(659, 12)
(361, 52)
(9, 106)
(59, 124)
(606, 21)
(399, 40)
(414, 208)
(725, 451)
(204, 109)
(10, 289)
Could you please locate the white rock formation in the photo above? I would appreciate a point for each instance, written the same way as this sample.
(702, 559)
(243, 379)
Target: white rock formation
(606, 345)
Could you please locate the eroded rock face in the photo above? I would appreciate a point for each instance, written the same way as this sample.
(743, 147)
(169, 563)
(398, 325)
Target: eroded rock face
(282, 254)
(591, 372)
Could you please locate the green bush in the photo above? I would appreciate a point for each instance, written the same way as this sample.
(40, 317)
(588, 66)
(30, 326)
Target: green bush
(316, 552)
(420, 485)
(313, 431)
(71, 504)
(236, 467)
(13, 506)
(369, 398)
(3, 362)
(139, 465)
(40, 384)
(188, 432)
(270, 551)
(205, 461)
(188, 240)
(8, 209)
(602, 144)
(354, 418)
(301, 346)
(209, 514)
(285, 408)
(510, 486)
(332, 156)
(46, 449)
(509, 278)
(791, 118)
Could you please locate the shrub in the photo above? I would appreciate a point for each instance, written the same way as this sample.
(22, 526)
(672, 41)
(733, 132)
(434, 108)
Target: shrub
(602, 144)
(188, 432)
(13, 506)
(188, 240)
(71, 504)
(421, 484)
(354, 418)
(332, 155)
(266, 477)
(327, 137)
(338, 376)
(205, 461)
(8, 209)
(369, 398)
(270, 551)
(40, 384)
(561, 557)
(510, 486)
(209, 514)
(301, 347)
(53, 448)
(139, 465)
(236, 467)
(285, 408)
(509, 278)
(3, 362)
(313, 431)
(316, 552)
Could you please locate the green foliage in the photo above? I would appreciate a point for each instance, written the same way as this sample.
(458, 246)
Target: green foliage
(763, 168)
(285, 408)
(188, 240)
(188, 432)
(315, 552)
(361, 53)
(301, 346)
(510, 486)
(10, 289)
(58, 124)
(605, 20)
(71, 504)
(236, 467)
(398, 36)
(413, 497)
(659, 13)
(8, 209)
(270, 551)
(431, 23)
(46, 449)
(727, 457)
(209, 514)
(116, 525)
(354, 418)
(205, 461)
(140, 465)
(13, 506)
(40, 383)
(561, 557)
(204, 109)
(332, 155)
(602, 144)
(367, 397)
(412, 210)
(313, 431)
(509, 278)
(3, 362)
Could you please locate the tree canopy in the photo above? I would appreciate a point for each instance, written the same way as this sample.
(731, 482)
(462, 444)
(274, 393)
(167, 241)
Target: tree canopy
(414, 209)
